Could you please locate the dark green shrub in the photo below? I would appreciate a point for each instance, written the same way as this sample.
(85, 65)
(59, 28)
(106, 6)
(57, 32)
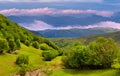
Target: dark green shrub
(18, 45)
(77, 57)
(3, 46)
(45, 47)
(27, 43)
(12, 45)
(22, 59)
(36, 45)
(23, 69)
(97, 55)
(49, 55)
(51, 44)
(104, 52)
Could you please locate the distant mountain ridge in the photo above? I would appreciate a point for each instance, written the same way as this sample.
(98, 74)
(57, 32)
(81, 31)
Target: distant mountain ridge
(57, 21)
(74, 33)
(65, 20)
(11, 30)
(113, 35)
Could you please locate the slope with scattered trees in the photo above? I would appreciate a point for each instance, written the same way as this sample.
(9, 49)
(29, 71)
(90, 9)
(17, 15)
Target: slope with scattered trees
(12, 35)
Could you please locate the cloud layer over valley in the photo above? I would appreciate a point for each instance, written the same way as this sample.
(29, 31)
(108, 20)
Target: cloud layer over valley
(51, 11)
(40, 25)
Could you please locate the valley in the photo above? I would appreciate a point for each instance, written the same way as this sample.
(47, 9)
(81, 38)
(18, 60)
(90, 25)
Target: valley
(59, 38)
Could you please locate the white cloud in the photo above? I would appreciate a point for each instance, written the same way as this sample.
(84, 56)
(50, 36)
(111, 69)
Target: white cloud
(106, 24)
(51, 11)
(52, 0)
(40, 25)
(37, 25)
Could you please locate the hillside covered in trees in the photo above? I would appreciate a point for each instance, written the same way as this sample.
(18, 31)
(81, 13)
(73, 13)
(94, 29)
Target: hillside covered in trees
(11, 35)
(22, 49)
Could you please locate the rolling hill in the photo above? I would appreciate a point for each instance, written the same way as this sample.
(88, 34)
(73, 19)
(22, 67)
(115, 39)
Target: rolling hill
(114, 35)
(46, 25)
(16, 41)
(74, 33)
(63, 42)
(11, 30)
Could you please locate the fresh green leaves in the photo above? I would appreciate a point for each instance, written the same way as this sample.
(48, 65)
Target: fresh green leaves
(98, 54)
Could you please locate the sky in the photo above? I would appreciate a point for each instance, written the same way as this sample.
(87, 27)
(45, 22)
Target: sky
(61, 1)
(105, 8)
(52, 0)
(61, 4)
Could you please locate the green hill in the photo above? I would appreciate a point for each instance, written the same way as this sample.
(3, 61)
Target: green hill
(15, 41)
(10, 30)
(115, 36)
(62, 42)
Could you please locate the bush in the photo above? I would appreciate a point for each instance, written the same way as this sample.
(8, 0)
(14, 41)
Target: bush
(12, 45)
(3, 46)
(77, 57)
(45, 47)
(18, 45)
(51, 44)
(98, 54)
(36, 45)
(22, 59)
(23, 69)
(49, 55)
(27, 42)
(104, 52)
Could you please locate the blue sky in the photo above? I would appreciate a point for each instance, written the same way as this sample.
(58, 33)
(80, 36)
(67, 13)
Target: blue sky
(53, 0)
(62, 4)
(107, 1)
(105, 8)
(56, 6)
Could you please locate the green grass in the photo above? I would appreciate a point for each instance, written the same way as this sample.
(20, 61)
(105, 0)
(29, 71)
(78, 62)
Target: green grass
(71, 72)
(9, 68)
(7, 61)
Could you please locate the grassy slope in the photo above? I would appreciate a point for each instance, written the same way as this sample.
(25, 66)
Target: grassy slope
(7, 62)
(70, 72)
(8, 67)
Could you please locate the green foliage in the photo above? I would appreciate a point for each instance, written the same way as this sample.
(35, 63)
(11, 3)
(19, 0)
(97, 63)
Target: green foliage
(98, 54)
(18, 45)
(12, 45)
(3, 46)
(15, 35)
(49, 55)
(23, 69)
(27, 42)
(51, 44)
(104, 52)
(77, 57)
(36, 45)
(44, 47)
(116, 64)
(22, 59)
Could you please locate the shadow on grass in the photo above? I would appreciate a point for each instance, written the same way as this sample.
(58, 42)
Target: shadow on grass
(88, 72)
(117, 73)
(84, 72)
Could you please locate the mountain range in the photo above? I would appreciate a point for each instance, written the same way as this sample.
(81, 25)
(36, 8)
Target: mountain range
(74, 33)
(69, 25)
(65, 20)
